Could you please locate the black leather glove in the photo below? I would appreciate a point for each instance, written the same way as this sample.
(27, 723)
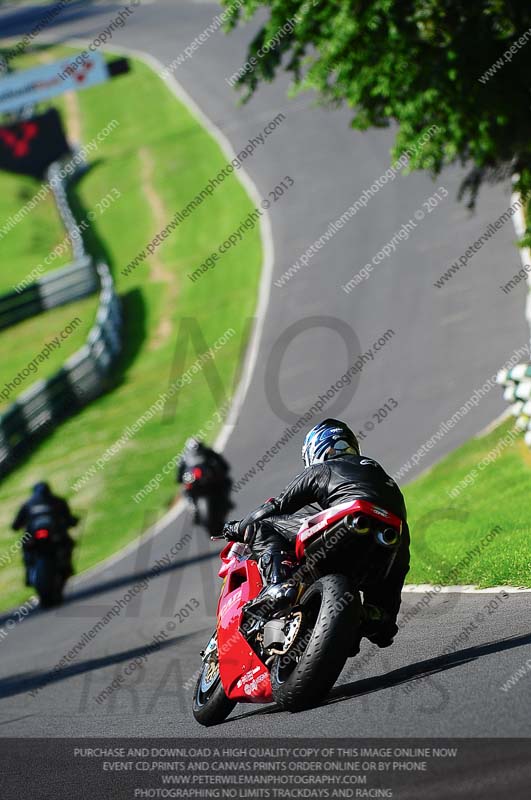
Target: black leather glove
(231, 531)
(267, 509)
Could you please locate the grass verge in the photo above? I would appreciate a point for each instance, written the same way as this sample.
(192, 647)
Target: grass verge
(483, 486)
(34, 238)
(35, 245)
(65, 329)
(158, 158)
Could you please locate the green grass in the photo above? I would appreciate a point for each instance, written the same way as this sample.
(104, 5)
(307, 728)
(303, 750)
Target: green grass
(157, 304)
(445, 529)
(34, 238)
(23, 342)
(39, 236)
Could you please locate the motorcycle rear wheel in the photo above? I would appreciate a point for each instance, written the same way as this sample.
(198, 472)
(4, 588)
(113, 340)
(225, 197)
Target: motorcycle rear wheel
(48, 583)
(331, 613)
(210, 704)
(211, 514)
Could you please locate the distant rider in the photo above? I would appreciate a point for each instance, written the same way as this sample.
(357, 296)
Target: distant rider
(214, 467)
(334, 473)
(46, 510)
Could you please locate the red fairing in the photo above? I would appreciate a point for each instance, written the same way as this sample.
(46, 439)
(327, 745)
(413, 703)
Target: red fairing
(226, 560)
(244, 677)
(324, 519)
(42, 533)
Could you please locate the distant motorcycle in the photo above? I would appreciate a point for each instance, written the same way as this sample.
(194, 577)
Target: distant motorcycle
(46, 571)
(295, 655)
(209, 496)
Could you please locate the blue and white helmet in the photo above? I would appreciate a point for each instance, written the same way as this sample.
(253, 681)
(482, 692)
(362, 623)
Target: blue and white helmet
(330, 439)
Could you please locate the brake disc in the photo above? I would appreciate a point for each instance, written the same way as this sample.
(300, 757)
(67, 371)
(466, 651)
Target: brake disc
(293, 625)
(210, 674)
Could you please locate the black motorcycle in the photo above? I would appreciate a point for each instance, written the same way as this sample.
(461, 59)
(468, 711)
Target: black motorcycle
(47, 566)
(210, 496)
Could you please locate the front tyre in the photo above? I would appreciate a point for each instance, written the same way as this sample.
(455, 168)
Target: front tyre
(331, 612)
(210, 704)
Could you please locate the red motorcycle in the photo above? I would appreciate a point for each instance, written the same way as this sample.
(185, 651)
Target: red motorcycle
(294, 656)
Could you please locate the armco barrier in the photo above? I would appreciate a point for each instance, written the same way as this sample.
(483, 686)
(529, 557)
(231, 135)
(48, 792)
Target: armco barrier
(63, 285)
(58, 184)
(86, 374)
(68, 284)
(54, 289)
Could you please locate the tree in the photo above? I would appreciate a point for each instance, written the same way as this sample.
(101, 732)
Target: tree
(463, 66)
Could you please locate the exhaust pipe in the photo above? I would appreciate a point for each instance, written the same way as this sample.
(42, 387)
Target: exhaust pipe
(360, 524)
(389, 537)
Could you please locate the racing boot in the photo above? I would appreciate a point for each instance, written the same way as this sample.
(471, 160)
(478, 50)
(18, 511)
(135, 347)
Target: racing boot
(376, 626)
(280, 590)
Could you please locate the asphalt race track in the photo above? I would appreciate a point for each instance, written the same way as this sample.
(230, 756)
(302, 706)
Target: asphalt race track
(431, 365)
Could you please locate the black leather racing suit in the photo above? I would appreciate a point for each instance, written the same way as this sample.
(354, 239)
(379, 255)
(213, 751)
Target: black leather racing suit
(203, 457)
(45, 510)
(338, 480)
(216, 466)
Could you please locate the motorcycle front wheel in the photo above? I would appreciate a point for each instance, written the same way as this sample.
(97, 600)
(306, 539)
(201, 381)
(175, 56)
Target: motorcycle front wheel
(210, 704)
(330, 615)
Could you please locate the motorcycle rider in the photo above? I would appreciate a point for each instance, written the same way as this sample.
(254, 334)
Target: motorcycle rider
(335, 472)
(197, 454)
(46, 510)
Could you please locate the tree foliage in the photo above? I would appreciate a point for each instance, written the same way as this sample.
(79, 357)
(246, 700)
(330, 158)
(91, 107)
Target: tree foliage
(417, 63)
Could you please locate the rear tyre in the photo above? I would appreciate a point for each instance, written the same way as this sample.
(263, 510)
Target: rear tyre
(210, 704)
(211, 515)
(331, 612)
(58, 597)
(43, 578)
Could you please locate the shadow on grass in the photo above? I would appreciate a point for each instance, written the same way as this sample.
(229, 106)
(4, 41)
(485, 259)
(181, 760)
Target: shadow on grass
(133, 305)
(133, 335)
